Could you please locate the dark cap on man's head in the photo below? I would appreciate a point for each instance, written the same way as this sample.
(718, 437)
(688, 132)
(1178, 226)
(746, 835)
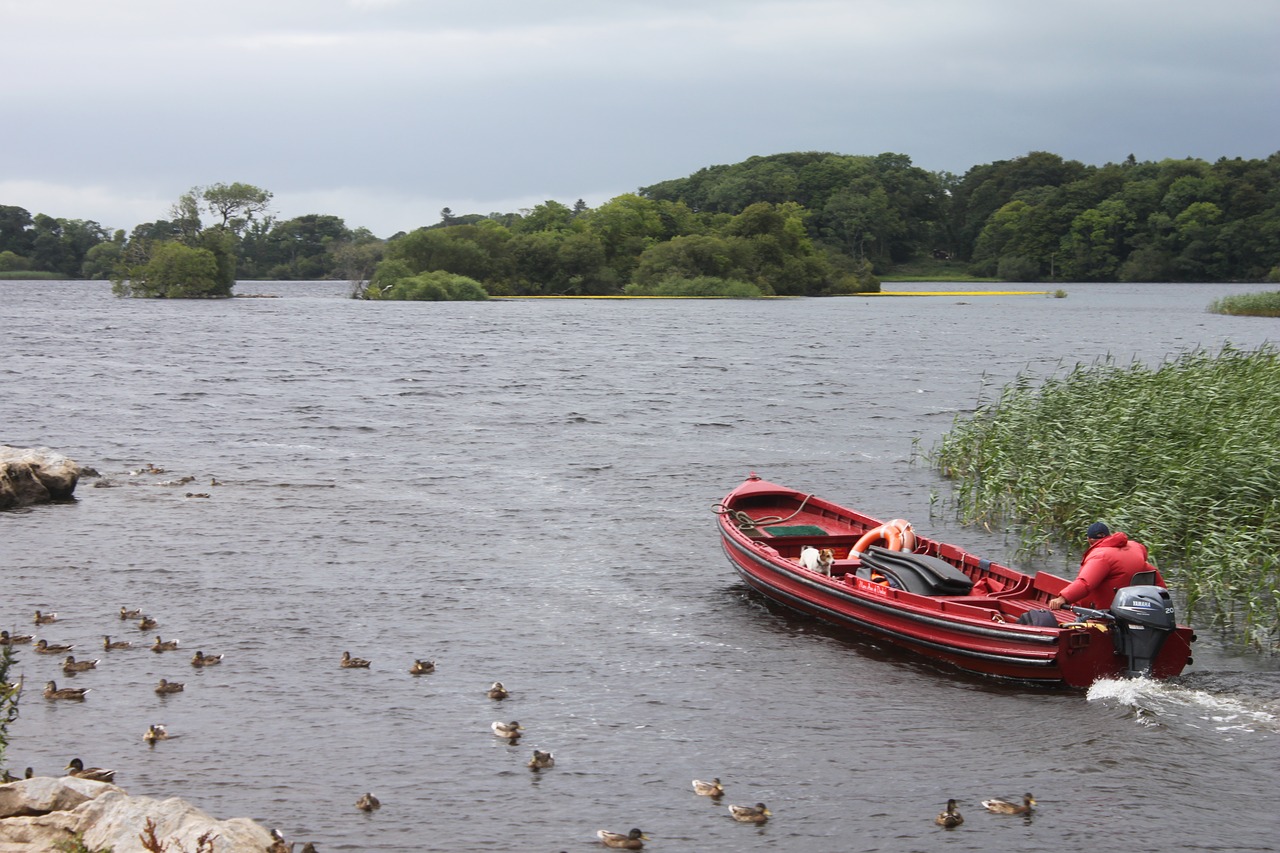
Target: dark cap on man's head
(1098, 530)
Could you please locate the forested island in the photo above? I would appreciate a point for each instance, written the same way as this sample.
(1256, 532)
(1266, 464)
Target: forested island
(807, 223)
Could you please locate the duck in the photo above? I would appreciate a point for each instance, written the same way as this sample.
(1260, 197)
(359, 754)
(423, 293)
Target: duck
(45, 618)
(1000, 806)
(758, 813)
(126, 613)
(164, 645)
(114, 645)
(949, 817)
(368, 803)
(54, 692)
(509, 730)
(278, 844)
(146, 623)
(633, 840)
(348, 662)
(169, 687)
(156, 732)
(497, 691)
(541, 760)
(71, 665)
(422, 667)
(97, 774)
(46, 648)
(7, 639)
(201, 659)
(708, 789)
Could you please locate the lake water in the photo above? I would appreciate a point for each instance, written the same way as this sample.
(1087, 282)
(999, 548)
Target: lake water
(522, 491)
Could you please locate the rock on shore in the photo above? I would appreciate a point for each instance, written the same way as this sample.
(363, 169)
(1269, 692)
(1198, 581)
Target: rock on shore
(43, 814)
(33, 475)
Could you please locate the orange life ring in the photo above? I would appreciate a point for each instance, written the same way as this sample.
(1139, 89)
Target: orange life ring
(908, 534)
(891, 535)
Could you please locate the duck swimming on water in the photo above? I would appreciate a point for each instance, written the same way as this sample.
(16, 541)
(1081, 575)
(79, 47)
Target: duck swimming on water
(949, 817)
(758, 813)
(633, 840)
(708, 789)
(348, 662)
(71, 665)
(53, 691)
(1000, 806)
(164, 645)
(510, 730)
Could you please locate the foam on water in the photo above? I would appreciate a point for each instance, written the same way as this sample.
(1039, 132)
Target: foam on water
(1163, 702)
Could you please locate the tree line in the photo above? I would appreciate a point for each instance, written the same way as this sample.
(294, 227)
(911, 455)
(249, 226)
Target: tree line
(805, 223)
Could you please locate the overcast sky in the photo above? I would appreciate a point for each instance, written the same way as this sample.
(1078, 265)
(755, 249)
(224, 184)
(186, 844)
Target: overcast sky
(382, 112)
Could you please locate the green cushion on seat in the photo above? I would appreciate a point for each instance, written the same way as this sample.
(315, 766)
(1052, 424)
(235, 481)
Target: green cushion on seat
(797, 530)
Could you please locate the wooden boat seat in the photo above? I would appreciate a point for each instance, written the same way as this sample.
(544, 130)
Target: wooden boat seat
(918, 573)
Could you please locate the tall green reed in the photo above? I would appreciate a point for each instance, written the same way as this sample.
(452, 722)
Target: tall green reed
(1184, 457)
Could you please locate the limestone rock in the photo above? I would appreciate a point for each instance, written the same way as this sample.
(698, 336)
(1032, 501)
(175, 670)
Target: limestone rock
(41, 815)
(43, 794)
(35, 475)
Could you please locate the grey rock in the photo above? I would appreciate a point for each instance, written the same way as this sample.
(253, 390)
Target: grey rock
(41, 815)
(34, 475)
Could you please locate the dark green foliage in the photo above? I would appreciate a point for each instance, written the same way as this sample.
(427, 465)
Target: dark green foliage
(700, 286)
(1184, 457)
(438, 286)
(177, 271)
(1017, 268)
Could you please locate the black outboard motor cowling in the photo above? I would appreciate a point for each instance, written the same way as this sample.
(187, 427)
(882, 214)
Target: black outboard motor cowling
(1144, 620)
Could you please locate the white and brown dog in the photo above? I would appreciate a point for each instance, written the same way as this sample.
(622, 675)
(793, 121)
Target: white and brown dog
(817, 561)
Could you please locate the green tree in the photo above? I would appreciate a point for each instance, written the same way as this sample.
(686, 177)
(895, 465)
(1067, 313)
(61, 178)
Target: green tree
(102, 259)
(9, 262)
(301, 248)
(1097, 242)
(177, 271)
(436, 286)
(15, 230)
(235, 204)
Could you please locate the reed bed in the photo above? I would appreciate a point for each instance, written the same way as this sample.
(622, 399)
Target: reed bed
(1184, 457)
(1248, 305)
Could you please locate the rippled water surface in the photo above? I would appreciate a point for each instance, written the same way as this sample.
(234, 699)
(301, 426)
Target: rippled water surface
(522, 491)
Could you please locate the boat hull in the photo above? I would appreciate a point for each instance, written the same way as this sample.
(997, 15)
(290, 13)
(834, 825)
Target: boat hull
(974, 632)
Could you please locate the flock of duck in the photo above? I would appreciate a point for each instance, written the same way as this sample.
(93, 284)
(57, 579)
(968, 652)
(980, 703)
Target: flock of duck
(73, 666)
(510, 731)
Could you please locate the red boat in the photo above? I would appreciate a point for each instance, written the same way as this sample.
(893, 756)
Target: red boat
(885, 580)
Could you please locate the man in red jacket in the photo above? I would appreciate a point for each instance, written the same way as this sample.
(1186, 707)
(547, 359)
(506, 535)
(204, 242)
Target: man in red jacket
(1109, 563)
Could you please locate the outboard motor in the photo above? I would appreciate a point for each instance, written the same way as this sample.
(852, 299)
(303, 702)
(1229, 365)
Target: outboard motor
(1144, 619)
